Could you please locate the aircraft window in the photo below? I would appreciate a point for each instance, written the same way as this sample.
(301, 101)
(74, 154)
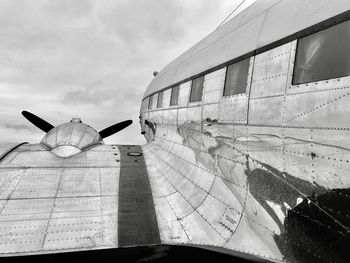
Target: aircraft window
(150, 101)
(160, 99)
(197, 89)
(323, 55)
(236, 78)
(174, 96)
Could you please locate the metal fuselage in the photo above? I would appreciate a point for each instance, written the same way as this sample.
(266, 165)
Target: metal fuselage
(264, 172)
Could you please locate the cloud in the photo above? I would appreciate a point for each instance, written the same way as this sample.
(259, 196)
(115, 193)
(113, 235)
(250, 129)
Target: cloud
(163, 20)
(19, 127)
(91, 58)
(93, 97)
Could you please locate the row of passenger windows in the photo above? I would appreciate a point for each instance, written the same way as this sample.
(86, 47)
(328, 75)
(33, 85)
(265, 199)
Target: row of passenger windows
(320, 56)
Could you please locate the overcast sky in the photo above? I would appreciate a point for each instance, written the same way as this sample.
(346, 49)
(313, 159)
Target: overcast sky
(91, 59)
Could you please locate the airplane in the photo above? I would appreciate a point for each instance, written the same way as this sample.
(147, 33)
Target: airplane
(247, 154)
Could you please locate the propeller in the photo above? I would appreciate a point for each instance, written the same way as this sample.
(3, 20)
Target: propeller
(46, 127)
(38, 122)
(115, 128)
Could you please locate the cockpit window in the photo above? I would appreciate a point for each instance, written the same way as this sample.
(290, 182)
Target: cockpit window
(160, 100)
(174, 95)
(236, 78)
(197, 89)
(323, 55)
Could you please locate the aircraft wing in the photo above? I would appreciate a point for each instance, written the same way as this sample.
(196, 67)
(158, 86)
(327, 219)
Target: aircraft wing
(51, 204)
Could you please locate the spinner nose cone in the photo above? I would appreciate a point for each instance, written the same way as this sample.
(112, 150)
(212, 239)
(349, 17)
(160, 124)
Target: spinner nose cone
(71, 138)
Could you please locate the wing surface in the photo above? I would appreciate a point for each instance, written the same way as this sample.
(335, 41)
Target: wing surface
(50, 204)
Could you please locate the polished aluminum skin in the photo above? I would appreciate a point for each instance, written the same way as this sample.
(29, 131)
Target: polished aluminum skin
(219, 182)
(264, 172)
(51, 204)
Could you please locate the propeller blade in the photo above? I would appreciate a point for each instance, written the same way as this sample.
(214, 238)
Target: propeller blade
(115, 128)
(38, 122)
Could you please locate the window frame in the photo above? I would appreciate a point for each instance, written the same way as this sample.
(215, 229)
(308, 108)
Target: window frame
(177, 97)
(293, 82)
(192, 84)
(247, 78)
(160, 103)
(150, 102)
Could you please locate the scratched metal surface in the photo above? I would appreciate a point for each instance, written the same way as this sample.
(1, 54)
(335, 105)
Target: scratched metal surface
(51, 204)
(268, 179)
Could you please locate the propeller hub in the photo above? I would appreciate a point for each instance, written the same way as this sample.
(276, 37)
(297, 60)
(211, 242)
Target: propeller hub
(71, 138)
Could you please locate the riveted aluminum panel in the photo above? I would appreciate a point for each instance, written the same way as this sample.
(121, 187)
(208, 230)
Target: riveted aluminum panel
(246, 176)
(225, 131)
(211, 112)
(266, 145)
(324, 85)
(338, 140)
(181, 115)
(219, 220)
(271, 70)
(68, 206)
(173, 134)
(189, 114)
(44, 182)
(214, 80)
(327, 156)
(266, 111)
(202, 231)
(247, 231)
(233, 109)
(194, 195)
(162, 131)
(156, 116)
(326, 109)
(184, 94)
(220, 212)
(165, 117)
(166, 98)
(151, 115)
(213, 86)
(171, 229)
(194, 114)
(172, 116)
(269, 137)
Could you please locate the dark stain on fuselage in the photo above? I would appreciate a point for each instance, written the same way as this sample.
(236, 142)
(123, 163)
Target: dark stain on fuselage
(315, 230)
(318, 231)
